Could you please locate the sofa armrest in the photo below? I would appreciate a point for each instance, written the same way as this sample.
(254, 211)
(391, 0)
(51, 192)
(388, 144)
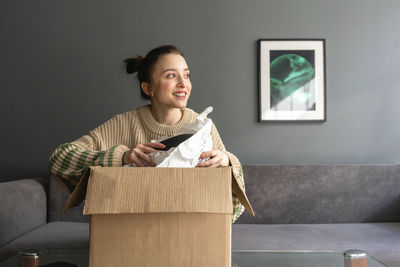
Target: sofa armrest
(23, 207)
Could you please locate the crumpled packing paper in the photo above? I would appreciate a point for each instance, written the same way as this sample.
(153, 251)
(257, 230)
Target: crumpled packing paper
(187, 153)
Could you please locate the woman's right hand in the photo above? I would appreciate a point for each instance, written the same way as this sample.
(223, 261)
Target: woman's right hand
(138, 154)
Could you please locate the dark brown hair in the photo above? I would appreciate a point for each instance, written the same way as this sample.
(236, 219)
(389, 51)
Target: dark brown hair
(144, 66)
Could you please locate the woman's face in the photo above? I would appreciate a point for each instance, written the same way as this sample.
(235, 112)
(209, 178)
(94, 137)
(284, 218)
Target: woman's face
(170, 83)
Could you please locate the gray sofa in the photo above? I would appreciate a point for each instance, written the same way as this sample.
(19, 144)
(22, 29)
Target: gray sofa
(328, 207)
(31, 219)
(319, 207)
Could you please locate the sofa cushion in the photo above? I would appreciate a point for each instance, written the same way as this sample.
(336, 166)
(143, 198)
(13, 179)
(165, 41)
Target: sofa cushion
(282, 194)
(51, 236)
(57, 199)
(23, 207)
(379, 240)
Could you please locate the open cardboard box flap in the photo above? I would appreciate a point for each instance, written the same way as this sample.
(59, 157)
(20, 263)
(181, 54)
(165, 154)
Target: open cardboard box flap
(241, 193)
(158, 190)
(151, 190)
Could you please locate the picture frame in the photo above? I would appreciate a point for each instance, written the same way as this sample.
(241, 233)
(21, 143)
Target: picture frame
(292, 80)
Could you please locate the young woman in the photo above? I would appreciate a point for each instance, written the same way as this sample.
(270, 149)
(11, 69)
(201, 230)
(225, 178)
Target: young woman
(164, 78)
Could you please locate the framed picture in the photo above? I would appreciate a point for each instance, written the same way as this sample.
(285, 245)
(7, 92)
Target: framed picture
(292, 80)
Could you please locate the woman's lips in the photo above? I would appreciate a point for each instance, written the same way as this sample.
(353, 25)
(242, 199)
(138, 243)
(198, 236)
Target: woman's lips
(180, 94)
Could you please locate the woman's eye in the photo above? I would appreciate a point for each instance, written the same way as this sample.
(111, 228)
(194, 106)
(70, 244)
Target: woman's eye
(171, 75)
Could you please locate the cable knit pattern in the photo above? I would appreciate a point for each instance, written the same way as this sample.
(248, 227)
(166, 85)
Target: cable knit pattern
(106, 145)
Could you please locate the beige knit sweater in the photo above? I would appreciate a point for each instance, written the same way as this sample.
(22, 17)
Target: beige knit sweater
(106, 145)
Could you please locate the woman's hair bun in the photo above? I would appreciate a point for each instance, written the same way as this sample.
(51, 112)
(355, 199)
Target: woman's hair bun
(132, 65)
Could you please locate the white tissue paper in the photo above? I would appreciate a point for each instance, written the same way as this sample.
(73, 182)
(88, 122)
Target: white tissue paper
(187, 153)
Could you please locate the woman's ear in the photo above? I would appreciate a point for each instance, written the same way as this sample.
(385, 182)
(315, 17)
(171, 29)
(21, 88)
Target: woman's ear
(147, 89)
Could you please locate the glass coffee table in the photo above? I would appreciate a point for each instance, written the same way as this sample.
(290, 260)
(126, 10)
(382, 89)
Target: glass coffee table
(273, 258)
(77, 257)
(240, 258)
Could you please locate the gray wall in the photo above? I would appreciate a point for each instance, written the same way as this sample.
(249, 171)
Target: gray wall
(61, 76)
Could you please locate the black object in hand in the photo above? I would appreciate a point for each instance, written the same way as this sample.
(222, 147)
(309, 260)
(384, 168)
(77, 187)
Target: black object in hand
(174, 141)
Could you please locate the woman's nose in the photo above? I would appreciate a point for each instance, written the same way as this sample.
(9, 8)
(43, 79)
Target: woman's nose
(181, 81)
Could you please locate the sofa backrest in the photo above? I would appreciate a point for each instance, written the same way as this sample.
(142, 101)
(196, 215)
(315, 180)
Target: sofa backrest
(286, 194)
(56, 202)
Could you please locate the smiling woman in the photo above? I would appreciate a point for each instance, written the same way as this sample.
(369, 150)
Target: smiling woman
(164, 78)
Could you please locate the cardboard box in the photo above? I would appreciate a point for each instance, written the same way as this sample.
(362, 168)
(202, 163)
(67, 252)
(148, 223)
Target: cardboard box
(160, 216)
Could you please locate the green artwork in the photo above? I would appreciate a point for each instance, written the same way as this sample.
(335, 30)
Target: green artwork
(292, 82)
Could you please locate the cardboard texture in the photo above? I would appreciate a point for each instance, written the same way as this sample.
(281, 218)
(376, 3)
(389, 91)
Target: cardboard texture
(160, 216)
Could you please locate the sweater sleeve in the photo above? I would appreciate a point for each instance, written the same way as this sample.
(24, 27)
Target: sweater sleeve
(238, 208)
(70, 161)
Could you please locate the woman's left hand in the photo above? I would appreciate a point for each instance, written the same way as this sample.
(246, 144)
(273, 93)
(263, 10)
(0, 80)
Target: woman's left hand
(217, 159)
